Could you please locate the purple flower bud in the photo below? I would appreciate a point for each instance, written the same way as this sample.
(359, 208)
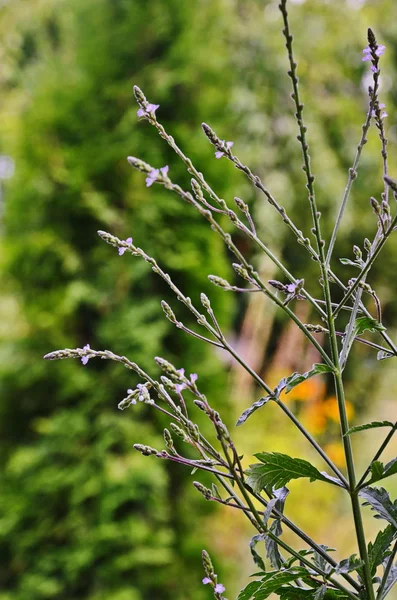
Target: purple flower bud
(380, 50)
(219, 588)
(374, 69)
(206, 580)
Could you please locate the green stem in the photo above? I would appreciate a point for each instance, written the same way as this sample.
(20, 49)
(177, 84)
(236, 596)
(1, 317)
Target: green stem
(352, 486)
(327, 296)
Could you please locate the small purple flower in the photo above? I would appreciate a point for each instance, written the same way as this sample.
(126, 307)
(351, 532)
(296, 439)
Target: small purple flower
(150, 108)
(193, 378)
(219, 588)
(378, 52)
(374, 69)
(179, 387)
(123, 249)
(367, 54)
(141, 389)
(85, 359)
(181, 372)
(164, 170)
(219, 153)
(384, 115)
(206, 580)
(153, 175)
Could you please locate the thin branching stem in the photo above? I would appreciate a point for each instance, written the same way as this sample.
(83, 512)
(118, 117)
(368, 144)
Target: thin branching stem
(379, 452)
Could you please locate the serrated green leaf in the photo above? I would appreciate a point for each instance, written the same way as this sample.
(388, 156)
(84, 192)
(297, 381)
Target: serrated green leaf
(362, 324)
(270, 505)
(379, 549)
(372, 425)
(391, 468)
(275, 583)
(276, 470)
(247, 592)
(320, 561)
(348, 564)
(256, 557)
(297, 378)
(379, 501)
(377, 469)
(320, 593)
(254, 407)
(272, 550)
(293, 593)
(380, 471)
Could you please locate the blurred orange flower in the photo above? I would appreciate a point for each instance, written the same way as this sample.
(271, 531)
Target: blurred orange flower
(336, 453)
(331, 409)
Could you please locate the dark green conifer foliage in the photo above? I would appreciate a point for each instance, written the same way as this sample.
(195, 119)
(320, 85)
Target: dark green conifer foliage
(82, 515)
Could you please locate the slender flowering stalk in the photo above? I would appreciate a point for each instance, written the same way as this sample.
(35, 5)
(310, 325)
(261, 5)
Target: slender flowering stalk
(260, 491)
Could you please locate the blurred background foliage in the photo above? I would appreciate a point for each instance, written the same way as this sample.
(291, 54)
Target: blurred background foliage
(81, 514)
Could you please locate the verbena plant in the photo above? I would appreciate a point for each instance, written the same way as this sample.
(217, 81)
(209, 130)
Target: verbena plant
(260, 491)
